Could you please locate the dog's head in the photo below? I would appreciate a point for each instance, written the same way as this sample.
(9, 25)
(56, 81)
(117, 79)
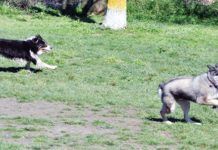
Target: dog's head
(213, 73)
(40, 44)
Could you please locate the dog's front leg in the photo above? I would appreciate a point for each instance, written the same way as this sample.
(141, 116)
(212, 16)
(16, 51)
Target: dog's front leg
(212, 102)
(41, 64)
(207, 101)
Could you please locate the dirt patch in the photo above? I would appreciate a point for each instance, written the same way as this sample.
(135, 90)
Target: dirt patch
(40, 109)
(22, 123)
(166, 134)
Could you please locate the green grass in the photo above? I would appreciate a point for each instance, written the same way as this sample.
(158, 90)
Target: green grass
(102, 124)
(9, 146)
(74, 121)
(115, 69)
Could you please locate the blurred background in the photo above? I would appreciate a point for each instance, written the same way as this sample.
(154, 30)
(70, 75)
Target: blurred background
(176, 11)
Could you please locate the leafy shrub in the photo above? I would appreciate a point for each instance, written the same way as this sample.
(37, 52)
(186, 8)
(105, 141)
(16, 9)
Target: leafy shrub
(172, 11)
(7, 10)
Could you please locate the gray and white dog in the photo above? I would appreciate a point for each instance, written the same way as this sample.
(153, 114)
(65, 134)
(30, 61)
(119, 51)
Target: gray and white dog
(202, 89)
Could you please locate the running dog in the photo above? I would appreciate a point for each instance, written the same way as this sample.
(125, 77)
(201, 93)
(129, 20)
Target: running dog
(202, 89)
(27, 50)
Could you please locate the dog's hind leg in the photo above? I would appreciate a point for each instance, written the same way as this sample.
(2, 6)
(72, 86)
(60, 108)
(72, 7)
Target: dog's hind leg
(168, 106)
(163, 112)
(27, 66)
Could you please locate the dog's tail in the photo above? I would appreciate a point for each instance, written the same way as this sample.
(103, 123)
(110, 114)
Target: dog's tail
(168, 101)
(160, 90)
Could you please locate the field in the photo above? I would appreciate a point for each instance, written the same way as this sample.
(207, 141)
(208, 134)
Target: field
(103, 95)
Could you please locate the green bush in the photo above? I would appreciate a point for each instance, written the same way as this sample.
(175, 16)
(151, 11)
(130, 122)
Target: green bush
(172, 11)
(8, 10)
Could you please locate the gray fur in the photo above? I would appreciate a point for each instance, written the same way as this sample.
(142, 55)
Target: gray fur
(202, 89)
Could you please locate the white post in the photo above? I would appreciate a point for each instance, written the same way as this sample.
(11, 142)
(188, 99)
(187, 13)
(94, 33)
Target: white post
(116, 16)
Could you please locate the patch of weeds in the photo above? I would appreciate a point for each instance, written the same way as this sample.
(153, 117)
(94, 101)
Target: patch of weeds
(74, 121)
(79, 105)
(150, 76)
(99, 139)
(100, 105)
(9, 146)
(71, 77)
(41, 142)
(161, 50)
(113, 60)
(96, 109)
(66, 139)
(109, 143)
(36, 147)
(12, 129)
(32, 121)
(139, 62)
(30, 129)
(116, 111)
(92, 138)
(17, 135)
(110, 102)
(124, 135)
(112, 113)
(113, 83)
(41, 139)
(102, 124)
(173, 54)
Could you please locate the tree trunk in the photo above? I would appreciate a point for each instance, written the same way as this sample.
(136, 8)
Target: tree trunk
(116, 16)
(87, 7)
(64, 4)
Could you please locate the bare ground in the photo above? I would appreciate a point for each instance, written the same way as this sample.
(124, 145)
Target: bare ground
(57, 121)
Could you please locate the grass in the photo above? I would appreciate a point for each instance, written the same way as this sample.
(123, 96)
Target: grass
(102, 124)
(74, 121)
(114, 69)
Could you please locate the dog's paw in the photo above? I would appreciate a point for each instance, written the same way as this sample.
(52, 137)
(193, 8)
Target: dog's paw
(167, 122)
(214, 107)
(52, 67)
(196, 123)
(193, 122)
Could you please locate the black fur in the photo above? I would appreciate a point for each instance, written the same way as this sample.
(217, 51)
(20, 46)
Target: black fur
(21, 49)
(17, 49)
(181, 95)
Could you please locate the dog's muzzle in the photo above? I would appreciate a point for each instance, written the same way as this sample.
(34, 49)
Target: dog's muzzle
(47, 49)
(44, 49)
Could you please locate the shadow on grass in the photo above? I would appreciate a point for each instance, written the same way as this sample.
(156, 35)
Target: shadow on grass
(70, 12)
(172, 119)
(17, 69)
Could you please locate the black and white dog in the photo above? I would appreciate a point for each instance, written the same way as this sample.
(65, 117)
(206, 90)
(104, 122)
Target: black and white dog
(28, 50)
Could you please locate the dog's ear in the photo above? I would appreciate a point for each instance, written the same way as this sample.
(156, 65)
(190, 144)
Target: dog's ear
(211, 68)
(38, 36)
(35, 39)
